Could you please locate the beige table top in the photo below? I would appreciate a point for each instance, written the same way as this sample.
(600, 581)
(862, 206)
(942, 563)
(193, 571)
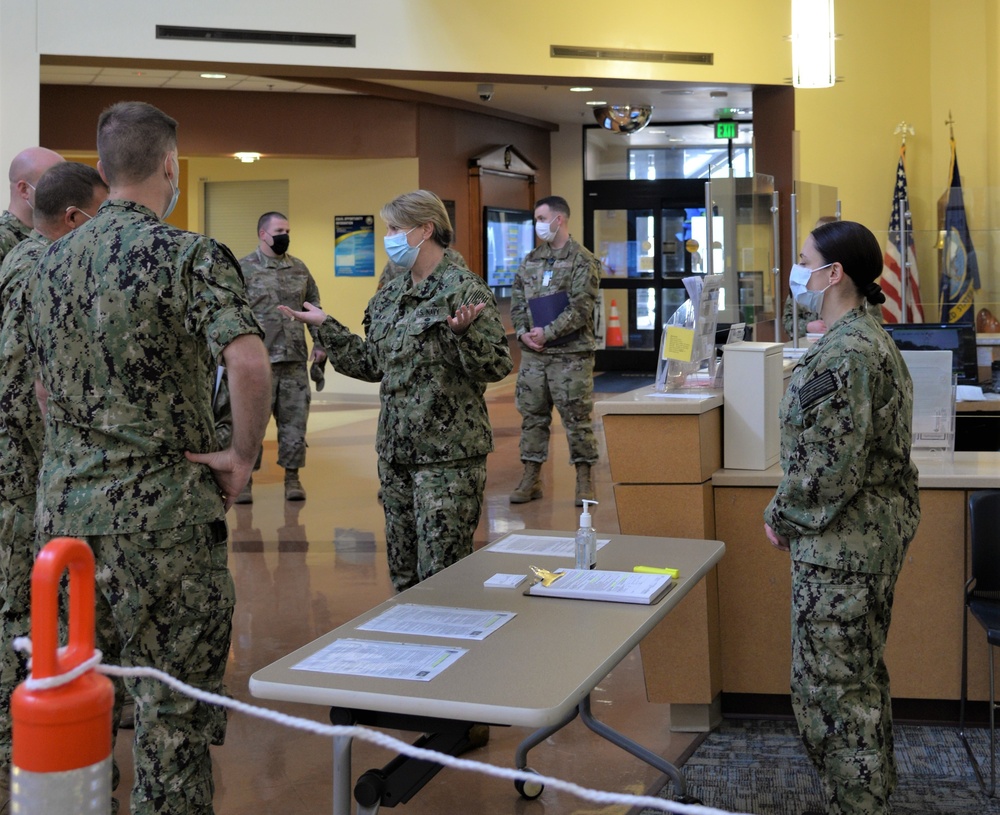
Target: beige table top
(648, 400)
(534, 670)
(963, 471)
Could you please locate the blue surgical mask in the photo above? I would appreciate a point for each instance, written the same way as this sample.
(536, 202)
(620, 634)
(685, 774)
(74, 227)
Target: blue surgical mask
(798, 279)
(399, 250)
(175, 192)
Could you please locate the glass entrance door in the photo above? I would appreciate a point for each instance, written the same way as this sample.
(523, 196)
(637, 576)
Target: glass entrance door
(642, 235)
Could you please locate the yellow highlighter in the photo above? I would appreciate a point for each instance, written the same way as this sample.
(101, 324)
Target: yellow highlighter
(674, 573)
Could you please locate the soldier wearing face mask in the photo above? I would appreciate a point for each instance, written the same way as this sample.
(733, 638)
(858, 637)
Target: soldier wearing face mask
(557, 359)
(274, 278)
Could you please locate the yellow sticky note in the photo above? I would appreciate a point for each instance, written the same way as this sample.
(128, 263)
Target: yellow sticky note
(679, 344)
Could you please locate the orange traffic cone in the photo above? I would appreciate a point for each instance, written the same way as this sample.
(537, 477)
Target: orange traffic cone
(613, 339)
(62, 735)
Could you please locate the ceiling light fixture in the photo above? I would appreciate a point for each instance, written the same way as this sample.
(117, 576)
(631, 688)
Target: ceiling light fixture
(580, 89)
(813, 55)
(247, 158)
(623, 119)
(213, 76)
(596, 103)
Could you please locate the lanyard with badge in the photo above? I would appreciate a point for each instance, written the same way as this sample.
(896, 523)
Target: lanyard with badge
(547, 274)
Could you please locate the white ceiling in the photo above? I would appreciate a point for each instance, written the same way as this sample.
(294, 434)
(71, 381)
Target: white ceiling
(555, 103)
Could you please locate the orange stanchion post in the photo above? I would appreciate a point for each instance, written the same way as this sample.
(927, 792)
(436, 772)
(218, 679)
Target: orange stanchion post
(613, 339)
(62, 735)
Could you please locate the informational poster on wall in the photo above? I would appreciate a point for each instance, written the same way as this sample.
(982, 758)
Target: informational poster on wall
(354, 246)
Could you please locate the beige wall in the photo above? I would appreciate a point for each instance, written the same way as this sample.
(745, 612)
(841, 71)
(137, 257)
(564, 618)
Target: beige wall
(317, 191)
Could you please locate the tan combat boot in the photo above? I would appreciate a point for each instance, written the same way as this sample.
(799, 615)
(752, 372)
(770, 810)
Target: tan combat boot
(584, 486)
(293, 487)
(530, 487)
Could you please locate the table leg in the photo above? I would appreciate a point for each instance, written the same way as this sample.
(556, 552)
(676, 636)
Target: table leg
(342, 775)
(536, 738)
(636, 749)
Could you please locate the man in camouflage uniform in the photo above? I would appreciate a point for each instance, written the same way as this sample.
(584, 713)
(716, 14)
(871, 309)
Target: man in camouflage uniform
(25, 170)
(433, 338)
(129, 318)
(276, 278)
(557, 359)
(66, 196)
(846, 508)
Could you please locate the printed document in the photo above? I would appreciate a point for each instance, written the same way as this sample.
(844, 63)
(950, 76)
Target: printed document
(383, 660)
(531, 545)
(613, 587)
(438, 621)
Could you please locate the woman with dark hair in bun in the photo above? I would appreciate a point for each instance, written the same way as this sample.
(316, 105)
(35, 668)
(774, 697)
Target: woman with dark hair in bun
(846, 509)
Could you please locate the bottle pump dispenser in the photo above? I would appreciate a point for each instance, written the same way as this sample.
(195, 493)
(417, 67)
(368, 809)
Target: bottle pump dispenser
(586, 539)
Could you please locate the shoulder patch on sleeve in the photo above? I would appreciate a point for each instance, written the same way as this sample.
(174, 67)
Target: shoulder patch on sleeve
(817, 389)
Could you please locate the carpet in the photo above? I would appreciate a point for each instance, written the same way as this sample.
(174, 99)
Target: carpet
(621, 381)
(761, 767)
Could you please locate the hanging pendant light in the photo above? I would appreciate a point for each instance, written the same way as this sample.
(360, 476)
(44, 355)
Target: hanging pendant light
(813, 35)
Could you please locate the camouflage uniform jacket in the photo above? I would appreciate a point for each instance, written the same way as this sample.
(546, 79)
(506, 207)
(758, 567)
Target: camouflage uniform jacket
(128, 317)
(805, 317)
(848, 498)
(545, 270)
(278, 281)
(432, 380)
(12, 232)
(21, 425)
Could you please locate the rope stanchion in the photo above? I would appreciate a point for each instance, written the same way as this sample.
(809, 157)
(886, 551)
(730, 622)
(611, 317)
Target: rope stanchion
(61, 758)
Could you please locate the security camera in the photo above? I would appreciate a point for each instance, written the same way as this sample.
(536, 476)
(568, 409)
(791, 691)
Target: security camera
(485, 92)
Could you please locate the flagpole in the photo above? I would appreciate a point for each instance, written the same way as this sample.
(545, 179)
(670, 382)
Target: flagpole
(904, 204)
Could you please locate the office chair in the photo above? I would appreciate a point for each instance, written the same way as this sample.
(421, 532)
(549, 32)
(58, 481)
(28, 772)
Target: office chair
(982, 600)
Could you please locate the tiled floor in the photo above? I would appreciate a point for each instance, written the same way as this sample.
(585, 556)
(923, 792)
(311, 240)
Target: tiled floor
(302, 569)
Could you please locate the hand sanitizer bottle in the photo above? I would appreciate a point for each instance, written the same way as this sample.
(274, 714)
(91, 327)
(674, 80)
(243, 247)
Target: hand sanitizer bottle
(586, 540)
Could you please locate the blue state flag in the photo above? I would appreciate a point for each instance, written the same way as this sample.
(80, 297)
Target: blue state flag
(959, 268)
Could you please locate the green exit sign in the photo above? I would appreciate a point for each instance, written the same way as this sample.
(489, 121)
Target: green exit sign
(726, 130)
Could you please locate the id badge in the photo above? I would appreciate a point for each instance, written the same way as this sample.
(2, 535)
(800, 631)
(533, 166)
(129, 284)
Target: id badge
(546, 278)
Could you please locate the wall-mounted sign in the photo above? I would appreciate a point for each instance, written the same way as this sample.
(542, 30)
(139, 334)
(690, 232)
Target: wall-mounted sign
(354, 246)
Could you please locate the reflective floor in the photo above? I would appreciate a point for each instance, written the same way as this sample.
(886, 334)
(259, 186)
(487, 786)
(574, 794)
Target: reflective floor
(304, 568)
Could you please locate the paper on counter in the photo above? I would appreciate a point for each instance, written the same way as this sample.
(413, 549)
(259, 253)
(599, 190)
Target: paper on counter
(547, 546)
(382, 660)
(438, 621)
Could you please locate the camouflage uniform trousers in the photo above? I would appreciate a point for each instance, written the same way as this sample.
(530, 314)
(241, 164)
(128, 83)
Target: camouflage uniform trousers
(840, 685)
(431, 515)
(563, 380)
(165, 600)
(290, 398)
(17, 556)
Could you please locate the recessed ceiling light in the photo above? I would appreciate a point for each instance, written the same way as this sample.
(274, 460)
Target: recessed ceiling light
(247, 158)
(213, 76)
(581, 89)
(596, 103)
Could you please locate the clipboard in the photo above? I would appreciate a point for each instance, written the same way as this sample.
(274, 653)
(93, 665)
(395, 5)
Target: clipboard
(545, 309)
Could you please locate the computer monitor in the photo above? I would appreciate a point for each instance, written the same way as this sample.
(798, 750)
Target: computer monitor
(959, 338)
(508, 235)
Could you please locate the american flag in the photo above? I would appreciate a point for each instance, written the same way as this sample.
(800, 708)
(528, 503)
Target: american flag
(892, 263)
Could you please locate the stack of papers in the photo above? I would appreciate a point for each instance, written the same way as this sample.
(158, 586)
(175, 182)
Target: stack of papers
(613, 587)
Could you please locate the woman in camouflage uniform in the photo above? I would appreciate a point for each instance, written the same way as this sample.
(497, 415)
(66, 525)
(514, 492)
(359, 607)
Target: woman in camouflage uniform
(433, 338)
(846, 508)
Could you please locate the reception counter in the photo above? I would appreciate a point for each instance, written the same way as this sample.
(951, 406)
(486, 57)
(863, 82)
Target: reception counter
(734, 637)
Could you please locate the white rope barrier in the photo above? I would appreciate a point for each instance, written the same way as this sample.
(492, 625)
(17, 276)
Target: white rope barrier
(372, 736)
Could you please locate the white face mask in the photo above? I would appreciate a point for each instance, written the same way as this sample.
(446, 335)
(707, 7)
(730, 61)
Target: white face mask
(798, 279)
(545, 231)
